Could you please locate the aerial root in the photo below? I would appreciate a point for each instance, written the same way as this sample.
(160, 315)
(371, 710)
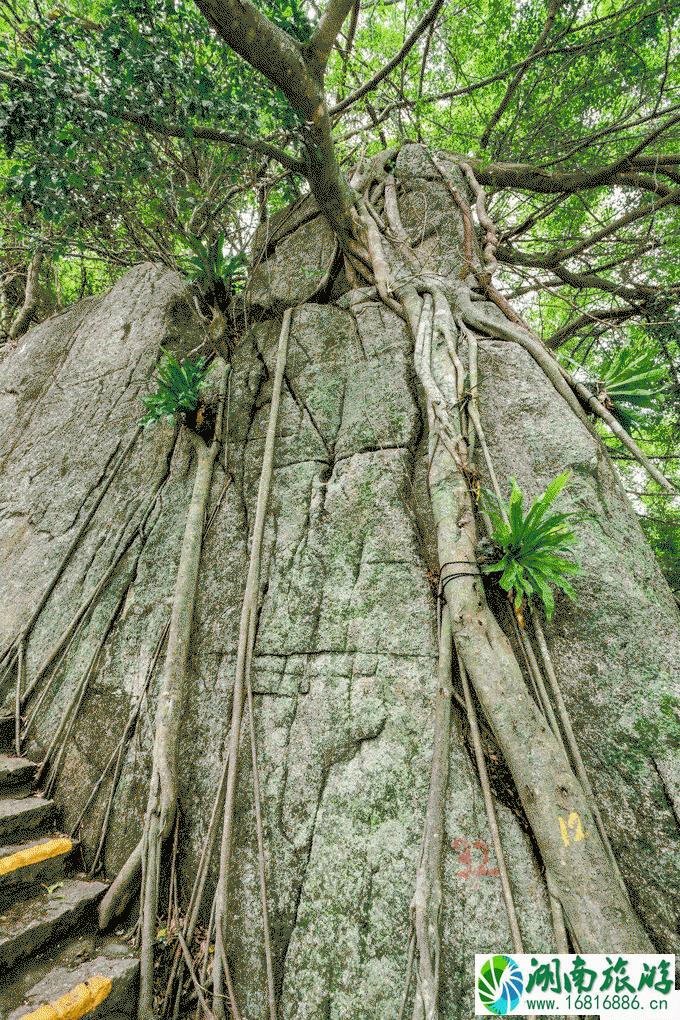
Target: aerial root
(491, 239)
(427, 898)
(260, 837)
(10, 653)
(118, 755)
(483, 651)
(57, 653)
(490, 810)
(243, 664)
(72, 708)
(162, 802)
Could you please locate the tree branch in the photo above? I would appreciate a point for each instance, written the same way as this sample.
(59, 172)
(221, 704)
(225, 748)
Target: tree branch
(394, 62)
(483, 82)
(519, 74)
(268, 49)
(318, 49)
(281, 60)
(170, 130)
(602, 315)
(637, 214)
(526, 176)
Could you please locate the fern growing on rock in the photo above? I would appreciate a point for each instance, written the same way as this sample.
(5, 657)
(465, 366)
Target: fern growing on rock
(529, 551)
(178, 390)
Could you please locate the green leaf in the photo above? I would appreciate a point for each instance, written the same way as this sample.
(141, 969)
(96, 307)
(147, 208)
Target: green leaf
(529, 562)
(543, 591)
(178, 389)
(541, 504)
(515, 507)
(51, 890)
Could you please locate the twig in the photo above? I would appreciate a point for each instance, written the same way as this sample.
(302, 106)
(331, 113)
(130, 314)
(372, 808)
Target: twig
(190, 967)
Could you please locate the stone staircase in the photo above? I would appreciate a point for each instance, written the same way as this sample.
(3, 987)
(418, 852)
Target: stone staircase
(54, 964)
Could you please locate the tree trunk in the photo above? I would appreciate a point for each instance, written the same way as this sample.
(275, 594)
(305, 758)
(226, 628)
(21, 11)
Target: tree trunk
(23, 319)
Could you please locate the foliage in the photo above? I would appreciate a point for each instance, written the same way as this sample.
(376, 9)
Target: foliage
(81, 179)
(288, 16)
(529, 546)
(178, 389)
(662, 531)
(628, 381)
(216, 275)
(122, 190)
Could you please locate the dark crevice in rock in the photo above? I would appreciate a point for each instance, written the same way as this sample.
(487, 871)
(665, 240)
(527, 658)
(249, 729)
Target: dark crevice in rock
(670, 803)
(378, 448)
(333, 288)
(261, 692)
(260, 606)
(364, 916)
(357, 331)
(285, 934)
(280, 824)
(324, 650)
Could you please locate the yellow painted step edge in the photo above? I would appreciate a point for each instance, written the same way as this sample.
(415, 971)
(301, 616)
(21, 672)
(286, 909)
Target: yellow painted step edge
(81, 1000)
(33, 854)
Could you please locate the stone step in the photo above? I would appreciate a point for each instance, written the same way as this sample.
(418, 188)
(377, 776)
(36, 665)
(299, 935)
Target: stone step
(26, 926)
(23, 816)
(69, 991)
(40, 861)
(19, 985)
(14, 771)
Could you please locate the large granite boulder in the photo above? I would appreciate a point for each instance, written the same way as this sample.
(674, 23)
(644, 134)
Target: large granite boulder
(345, 667)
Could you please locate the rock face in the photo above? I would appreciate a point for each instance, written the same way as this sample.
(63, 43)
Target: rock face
(345, 668)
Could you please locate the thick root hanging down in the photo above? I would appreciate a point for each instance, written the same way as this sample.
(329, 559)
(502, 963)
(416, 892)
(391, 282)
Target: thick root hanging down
(427, 897)
(582, 877)
(596, 910)
(243, 660)
(162, 803)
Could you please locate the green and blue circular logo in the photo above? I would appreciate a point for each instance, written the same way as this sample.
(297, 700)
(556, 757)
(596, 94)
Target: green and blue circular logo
(500, 985)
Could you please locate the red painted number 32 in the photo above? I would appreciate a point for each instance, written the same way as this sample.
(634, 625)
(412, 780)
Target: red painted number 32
(464, 848)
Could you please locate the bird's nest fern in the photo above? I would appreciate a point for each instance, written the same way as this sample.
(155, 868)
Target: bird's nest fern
(529, 551)
(178, 390)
